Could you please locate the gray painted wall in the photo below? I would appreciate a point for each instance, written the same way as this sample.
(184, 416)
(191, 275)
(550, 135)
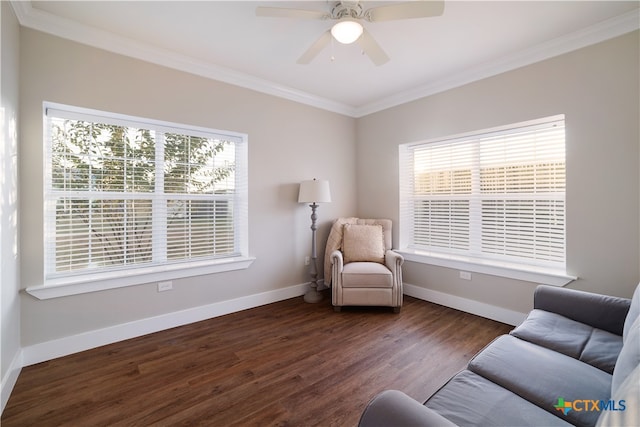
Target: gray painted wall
(288, 143)
(597, 88)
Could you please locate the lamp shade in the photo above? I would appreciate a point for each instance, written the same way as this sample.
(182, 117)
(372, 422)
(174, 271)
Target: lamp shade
(347, 31)
(314, 191)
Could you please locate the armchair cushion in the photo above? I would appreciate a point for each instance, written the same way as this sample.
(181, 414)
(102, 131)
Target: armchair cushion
(366, 275)
(363, 243)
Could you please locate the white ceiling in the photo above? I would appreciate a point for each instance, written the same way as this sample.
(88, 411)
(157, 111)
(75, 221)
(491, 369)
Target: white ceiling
(225, 40)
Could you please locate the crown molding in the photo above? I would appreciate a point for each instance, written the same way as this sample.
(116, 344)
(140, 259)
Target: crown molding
(72, 30)
(605, 30)
(80, 33)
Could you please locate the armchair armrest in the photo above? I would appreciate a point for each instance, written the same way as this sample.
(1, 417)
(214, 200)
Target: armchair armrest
(600, 311)
(337, 261)
(394, 408)
(393, 260)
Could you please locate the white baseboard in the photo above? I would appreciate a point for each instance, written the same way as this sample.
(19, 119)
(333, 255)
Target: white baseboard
(9, 379)
(489, 311)
(42, 352)
(76, 343)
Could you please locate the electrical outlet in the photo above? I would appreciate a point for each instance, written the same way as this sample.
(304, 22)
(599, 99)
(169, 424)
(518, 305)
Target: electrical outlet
(165, 286)
(307, 260)
(465, 275)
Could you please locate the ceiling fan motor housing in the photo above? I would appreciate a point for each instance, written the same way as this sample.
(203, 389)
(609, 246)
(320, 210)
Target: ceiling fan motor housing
(347, 9)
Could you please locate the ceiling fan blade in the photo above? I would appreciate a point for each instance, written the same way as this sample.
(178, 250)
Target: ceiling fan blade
(315, 48)
(279, 12)
(408, 10)
(372, 48)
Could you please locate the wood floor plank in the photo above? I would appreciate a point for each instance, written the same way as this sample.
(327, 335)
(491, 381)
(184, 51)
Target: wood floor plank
(282, 364)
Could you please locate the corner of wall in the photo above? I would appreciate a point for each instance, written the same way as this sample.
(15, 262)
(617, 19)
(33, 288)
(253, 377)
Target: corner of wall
(11, 353)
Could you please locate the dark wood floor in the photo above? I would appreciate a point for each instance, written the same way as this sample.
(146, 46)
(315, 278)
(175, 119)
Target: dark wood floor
(285, 364)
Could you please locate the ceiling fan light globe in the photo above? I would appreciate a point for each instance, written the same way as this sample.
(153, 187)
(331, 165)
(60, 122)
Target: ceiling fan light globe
(347, 31)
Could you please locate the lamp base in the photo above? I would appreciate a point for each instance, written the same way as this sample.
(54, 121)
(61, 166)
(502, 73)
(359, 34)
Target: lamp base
(312, 295)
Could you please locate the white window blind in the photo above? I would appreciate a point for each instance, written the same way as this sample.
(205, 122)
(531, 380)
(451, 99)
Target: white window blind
(125, 192)
(496, 195)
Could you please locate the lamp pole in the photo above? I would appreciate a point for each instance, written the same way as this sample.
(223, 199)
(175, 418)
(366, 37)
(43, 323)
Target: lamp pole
(312, 295)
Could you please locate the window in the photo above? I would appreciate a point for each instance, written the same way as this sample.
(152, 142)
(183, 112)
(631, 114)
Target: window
(494, 196)
(125, 195)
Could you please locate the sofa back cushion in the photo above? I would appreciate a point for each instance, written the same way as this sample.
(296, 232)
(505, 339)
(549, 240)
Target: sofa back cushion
(578, 340)
(629, 357)
(599, 311)
(634, 312)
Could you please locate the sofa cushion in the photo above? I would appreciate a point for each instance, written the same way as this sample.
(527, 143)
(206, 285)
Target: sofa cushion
(629, 357)
(366, 275)
(469, 399)
(543, 376)
(363, 243)
(593, 346)
(634, 312)
(602, 350)
(554, 332)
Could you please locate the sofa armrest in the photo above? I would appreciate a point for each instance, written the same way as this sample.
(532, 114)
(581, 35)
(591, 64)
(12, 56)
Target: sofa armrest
(394, 408)
(599, 311)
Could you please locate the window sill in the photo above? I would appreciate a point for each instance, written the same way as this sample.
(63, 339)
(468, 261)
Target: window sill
(118, 279)
(534, 274)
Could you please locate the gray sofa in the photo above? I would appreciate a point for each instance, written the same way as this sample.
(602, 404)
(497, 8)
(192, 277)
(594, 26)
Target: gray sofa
(573, 361)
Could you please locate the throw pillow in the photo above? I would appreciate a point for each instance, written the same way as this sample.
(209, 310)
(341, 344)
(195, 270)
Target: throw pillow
(362, 243)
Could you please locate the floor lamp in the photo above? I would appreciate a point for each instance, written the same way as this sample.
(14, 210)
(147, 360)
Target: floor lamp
(314, 192)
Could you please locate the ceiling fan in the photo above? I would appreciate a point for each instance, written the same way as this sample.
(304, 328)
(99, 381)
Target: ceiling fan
(348, 28)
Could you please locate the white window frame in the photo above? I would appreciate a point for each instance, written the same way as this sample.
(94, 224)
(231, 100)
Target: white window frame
(56, 285)
(552, 273)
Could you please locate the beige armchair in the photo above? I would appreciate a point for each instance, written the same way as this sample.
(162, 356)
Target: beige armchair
(361, 267)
